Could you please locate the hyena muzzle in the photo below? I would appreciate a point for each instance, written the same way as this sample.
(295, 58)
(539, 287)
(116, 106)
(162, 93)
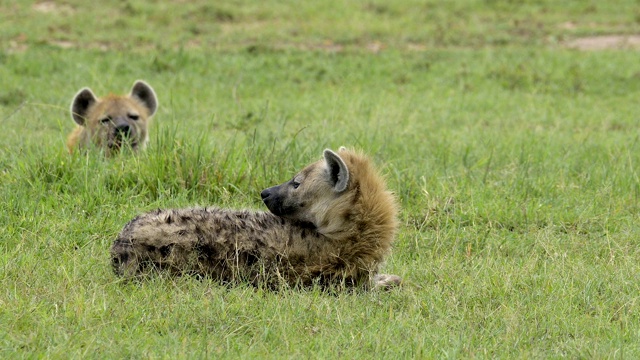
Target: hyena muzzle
(332, 224)
(114, 121)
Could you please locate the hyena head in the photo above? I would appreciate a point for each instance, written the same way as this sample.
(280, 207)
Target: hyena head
(115, 120)
(322, 194)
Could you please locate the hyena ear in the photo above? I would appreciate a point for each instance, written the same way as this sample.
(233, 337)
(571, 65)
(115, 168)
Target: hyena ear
(81, 104)
(338, 172)
(145, 94)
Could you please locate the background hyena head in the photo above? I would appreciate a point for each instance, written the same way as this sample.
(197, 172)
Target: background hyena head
(113, 121)
(320, 194)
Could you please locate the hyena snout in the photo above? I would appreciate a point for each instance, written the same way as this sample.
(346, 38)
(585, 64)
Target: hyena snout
(265, 193)
(123, 130)
(273, 200)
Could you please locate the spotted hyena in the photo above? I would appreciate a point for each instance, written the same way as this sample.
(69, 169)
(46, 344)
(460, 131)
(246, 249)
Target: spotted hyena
(333, 223)
(110, 122)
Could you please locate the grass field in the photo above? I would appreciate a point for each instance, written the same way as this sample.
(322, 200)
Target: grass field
(515, 159)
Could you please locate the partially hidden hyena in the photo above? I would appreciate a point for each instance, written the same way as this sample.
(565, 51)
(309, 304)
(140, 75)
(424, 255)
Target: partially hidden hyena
(114, 121)
(332, 224)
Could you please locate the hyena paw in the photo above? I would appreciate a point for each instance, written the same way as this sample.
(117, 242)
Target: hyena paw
(386, 281)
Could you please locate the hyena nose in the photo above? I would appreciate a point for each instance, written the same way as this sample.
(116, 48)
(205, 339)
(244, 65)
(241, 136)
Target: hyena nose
(265, 194)
(123, 130)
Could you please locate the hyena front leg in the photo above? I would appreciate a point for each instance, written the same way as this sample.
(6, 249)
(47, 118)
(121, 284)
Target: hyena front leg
(386, 281)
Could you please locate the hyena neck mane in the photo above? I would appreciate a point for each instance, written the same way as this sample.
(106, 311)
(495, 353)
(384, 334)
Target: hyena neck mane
(365, 220)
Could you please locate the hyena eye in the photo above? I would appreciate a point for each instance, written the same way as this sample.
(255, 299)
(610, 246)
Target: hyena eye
(134, 116)
(105, 121)
(295, 184)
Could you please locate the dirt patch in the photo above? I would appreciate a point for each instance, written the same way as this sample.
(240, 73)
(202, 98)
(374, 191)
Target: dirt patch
(48, 7)
(62, 44)
(605, 42)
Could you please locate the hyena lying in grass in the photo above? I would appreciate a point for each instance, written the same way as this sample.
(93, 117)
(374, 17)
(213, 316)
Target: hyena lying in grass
(331, 225)
(110, 122)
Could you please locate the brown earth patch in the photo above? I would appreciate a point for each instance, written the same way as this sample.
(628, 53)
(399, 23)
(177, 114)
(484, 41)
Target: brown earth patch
(62, 44)
(47, 7)
(605, 42)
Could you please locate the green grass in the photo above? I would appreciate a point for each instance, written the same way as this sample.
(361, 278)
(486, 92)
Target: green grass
(515, 160)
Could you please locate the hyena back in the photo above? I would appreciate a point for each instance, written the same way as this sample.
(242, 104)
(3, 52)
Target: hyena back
(114, 121)
(332, 224)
